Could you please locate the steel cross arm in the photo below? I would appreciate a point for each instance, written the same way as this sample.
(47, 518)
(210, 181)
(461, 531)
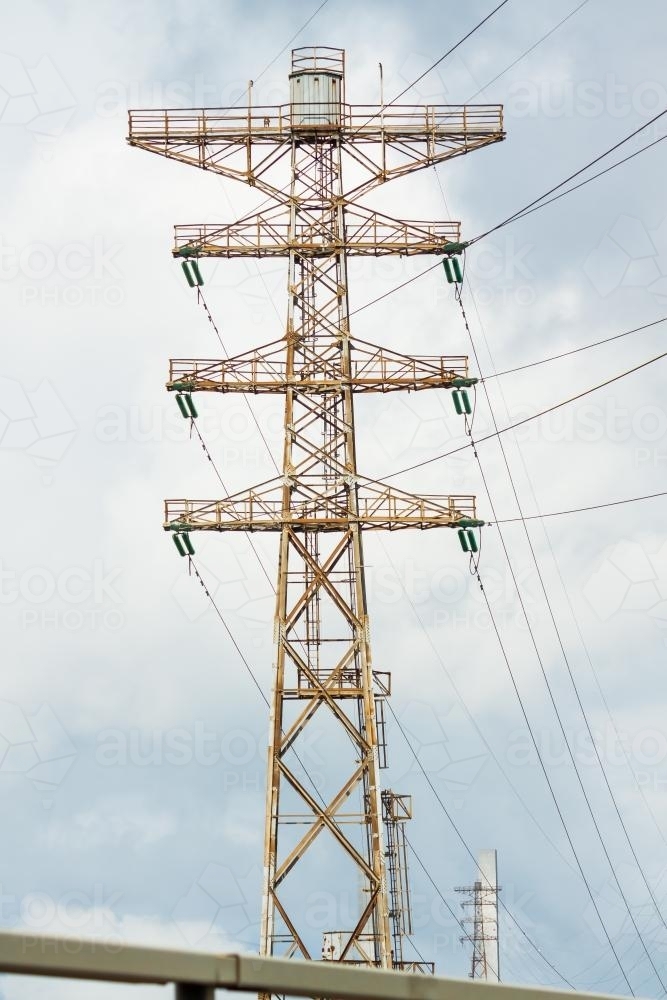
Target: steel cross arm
(263, 509)
(267, 234)
(397, 148)
(264, 370)
(194, 139)
(245, 144)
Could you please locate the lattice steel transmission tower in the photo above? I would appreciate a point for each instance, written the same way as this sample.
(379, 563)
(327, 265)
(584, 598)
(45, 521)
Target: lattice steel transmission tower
(482, 899)
(295, 155)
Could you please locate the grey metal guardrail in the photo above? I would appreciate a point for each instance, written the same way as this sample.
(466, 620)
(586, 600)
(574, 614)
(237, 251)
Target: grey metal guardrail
(197, 974)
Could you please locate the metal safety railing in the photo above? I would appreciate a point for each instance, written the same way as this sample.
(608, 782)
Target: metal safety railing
(265, 510)
(361, 120)
(196, 975)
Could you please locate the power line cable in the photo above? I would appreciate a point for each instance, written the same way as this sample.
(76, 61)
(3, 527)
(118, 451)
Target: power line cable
(576, 350)
(383, 107)
(543, 767)
(566, 593)
(587, 180)
(553, 702)
(469, 714)
(536, 204)
(227, 493)
(467, 848)
(577, 510)
(574, 686)
(599, 506)
(525, 420)
(587, 653)
(396, 288)
(603, 698)
(202, 300)
(442, 58)
(229, 632)
(600, 690)
(591, 163)
(528, 51)
(541, 361)
(292, 39)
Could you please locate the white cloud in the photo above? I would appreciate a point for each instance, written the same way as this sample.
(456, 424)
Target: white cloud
(119, 822)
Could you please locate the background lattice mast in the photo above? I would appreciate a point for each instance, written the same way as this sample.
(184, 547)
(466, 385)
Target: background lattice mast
(482, 902)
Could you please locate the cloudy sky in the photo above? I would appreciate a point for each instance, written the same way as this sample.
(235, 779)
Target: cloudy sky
(132, 741)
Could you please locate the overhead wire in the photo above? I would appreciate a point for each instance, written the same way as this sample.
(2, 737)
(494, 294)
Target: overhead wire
(576, 350)
(470, 716)
(575, 619)
(441, 59)
(603, 697)
(540, 361)
(229, 632)
(577, 510)
(591, 163)
(575, 187)
(532, 48)
(525, 420)
(459, 298)
(587, 653)
(227, 493)
(534, 205)
(580, 704)
(292, 39)
(552, 792)
(464, 843)
(383, 107)
(202, 300)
